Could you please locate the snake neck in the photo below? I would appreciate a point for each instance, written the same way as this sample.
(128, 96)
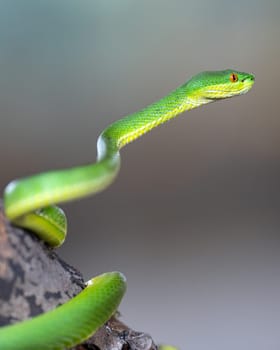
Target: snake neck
(130, 128)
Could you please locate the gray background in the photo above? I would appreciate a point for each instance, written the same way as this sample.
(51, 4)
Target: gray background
(193, 218)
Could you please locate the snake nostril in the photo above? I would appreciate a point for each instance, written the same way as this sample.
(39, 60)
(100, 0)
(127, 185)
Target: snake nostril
(248, 78)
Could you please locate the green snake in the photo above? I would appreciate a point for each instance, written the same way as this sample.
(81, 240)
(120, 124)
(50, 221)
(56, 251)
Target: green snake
(29, 203)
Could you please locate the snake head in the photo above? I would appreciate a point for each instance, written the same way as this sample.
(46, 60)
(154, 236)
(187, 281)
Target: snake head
(215, 85)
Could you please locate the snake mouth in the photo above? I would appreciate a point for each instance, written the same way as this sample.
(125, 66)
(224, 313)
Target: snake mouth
(221, 94)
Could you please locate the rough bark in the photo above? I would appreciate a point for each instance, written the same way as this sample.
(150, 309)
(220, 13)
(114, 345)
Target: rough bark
(33, 280)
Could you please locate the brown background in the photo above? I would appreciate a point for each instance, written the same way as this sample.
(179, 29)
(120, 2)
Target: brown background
(193, 219)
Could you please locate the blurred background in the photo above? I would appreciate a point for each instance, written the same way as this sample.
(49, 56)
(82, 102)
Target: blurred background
(193, 218)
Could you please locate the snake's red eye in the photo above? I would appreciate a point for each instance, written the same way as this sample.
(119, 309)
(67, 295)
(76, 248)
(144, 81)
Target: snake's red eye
(233, 77)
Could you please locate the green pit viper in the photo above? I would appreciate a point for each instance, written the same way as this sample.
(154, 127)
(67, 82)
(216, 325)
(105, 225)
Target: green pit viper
(29, 203)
